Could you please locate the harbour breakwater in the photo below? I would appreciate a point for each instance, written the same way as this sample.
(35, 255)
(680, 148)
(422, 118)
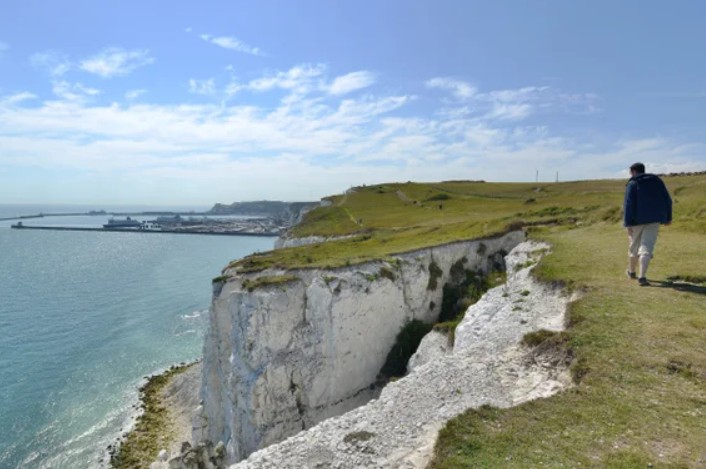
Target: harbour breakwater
(138, 231)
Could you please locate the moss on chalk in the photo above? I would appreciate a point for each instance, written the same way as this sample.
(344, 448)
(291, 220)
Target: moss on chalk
(268, 281)
(153, 429)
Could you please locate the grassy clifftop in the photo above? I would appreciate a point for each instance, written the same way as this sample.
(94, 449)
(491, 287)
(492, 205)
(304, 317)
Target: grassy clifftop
(390, 218)
(641, 400)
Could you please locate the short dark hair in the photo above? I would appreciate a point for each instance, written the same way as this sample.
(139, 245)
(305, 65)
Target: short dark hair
(639, 168)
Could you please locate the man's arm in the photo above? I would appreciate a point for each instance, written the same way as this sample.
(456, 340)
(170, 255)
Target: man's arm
(629, 204)
(668, 198)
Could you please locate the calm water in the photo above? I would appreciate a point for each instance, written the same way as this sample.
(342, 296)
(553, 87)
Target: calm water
(83, 318)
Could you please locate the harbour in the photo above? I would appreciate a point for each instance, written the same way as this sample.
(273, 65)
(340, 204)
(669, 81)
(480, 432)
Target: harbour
(161, 222)
(20, 226)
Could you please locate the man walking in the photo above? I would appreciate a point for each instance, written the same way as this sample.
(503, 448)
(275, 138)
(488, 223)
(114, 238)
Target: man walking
(647, 205)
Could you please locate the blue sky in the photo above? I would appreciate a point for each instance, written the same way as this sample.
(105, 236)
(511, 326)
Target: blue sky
(175, 102)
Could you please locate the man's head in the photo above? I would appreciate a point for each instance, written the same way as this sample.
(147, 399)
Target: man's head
(637, 168)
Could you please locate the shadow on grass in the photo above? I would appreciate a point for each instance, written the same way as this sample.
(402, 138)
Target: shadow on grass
(679, 286)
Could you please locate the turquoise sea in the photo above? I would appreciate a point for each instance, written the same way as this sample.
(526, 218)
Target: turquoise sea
(84, 317)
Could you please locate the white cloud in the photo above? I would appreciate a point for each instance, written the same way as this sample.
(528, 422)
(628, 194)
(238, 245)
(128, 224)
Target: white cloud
(309, 144)
(299, 81)
(73, 91)
(232, 43)
(459, 88)
(299, 78)
(510, 111)
(134, 94)
(203, 87)
(510, 104)
(18, 98)
(116, 61)
(56, 63)
(528, 93)
(351, 82)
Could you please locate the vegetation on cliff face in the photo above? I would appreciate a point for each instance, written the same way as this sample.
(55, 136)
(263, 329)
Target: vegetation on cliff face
(406, 344)
(153, 429)
(268, 281)
(392, 218)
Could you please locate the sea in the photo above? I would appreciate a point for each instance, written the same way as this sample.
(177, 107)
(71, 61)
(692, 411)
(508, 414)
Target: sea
(84, 318)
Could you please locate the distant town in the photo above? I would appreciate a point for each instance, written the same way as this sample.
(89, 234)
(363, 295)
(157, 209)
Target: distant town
(259, 218)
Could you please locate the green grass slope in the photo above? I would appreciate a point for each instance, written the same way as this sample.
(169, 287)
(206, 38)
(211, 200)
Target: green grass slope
(642, 399)
(640, 353)
(391, 218)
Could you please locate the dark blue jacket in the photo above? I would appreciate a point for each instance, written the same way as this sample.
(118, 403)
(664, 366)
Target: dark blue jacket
(646, 201)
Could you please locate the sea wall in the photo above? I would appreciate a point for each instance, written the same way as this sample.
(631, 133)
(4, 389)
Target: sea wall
(285, 350)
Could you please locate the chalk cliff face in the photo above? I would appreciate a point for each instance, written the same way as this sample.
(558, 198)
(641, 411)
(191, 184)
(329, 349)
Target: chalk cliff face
(293, 348)
(486, 365)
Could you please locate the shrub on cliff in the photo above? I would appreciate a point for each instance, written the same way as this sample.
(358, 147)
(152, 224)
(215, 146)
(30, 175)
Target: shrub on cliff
(406, 344)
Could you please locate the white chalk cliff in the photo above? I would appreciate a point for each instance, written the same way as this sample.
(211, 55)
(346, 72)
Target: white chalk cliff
(281, 357)
(487, 365)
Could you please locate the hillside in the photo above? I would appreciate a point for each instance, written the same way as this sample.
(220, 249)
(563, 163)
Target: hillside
(390, 218)
(639, 356)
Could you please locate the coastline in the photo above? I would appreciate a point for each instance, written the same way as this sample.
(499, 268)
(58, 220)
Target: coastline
(165, 404)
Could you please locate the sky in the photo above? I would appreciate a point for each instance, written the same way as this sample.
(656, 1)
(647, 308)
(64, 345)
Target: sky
(176, 102)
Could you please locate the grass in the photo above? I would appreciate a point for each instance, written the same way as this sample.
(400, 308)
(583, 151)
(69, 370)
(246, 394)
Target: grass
(386, 219)
(153, 429)
(268, 281)
(221, 279)
(640, 361)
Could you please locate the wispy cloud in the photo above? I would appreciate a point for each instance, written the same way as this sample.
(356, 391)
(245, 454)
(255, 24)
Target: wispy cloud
(73, 91)
(131, 95)
(458, 88)
(55, 63)
(232, 43)
(203, 87)
(115, 61)
(300, 79)
(509, 111)
(3, 48)
(351, 82)
(510, 104)
(18, 98)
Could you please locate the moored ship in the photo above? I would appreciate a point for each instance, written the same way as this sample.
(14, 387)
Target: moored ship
(126, 223)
